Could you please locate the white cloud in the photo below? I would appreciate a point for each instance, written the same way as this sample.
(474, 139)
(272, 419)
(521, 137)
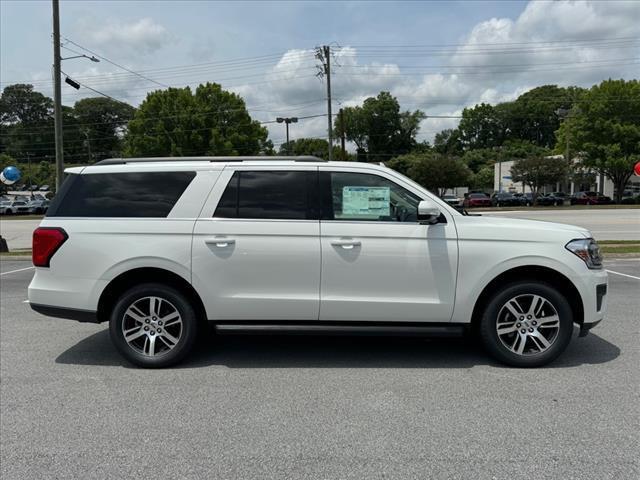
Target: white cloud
(143, 36)
(548, 43)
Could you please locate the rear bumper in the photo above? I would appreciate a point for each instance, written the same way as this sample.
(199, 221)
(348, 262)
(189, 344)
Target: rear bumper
(85, 316)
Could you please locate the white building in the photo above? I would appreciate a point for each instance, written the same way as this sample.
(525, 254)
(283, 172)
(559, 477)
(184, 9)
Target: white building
(502, 181)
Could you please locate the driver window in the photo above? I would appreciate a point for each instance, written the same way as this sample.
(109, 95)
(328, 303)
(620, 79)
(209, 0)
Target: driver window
(368, 197)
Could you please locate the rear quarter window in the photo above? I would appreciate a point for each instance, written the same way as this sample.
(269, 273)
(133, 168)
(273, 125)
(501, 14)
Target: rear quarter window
(130, 194)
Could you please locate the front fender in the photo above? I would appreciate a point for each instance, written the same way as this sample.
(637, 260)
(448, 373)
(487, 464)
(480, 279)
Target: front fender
(472, 280)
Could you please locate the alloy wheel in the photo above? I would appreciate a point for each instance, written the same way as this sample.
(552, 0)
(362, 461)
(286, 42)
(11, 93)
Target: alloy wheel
(152, 326)
(528, 324)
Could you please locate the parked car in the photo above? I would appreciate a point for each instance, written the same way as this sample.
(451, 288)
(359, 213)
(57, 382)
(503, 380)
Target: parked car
(561, 196)
(44, 188)
(476, 200)
(13, 207)
(630, 198)
(452, 200)
(589, 198)
(549, 199)
(158, 247)
(525, 199)
(504, 199)
(38, 206)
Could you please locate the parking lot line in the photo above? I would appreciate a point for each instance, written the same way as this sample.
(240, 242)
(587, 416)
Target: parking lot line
(623, 274)
(16, 271)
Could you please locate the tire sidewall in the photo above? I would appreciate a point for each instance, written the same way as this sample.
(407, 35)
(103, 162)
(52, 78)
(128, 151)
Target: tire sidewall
(179, 301)
(489, 335)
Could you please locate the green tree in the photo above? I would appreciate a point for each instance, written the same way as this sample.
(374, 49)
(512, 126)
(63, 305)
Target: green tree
(211, 121)
(448, 142)
(26, 122)
(533, 115)
(480, 158)
(605, 130)
(537, 172)
(318, 147)
(435, 172)
(101, 125)
(483, 179)
(379, 129)
(481, 127)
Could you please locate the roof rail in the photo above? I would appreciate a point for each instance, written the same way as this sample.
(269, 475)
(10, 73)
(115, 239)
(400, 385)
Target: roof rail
(122, 161)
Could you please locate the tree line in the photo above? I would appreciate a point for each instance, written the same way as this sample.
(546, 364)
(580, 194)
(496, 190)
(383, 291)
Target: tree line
(599, 126)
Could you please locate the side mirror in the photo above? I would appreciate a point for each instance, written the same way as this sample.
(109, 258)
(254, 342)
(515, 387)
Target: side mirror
(428, 212)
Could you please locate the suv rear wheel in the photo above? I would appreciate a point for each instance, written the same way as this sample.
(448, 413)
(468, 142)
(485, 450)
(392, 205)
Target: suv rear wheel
(527, 324)
(153, 325)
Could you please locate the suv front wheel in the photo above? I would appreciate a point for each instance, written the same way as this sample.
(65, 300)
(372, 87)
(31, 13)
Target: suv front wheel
(527, 324)
(153, 325)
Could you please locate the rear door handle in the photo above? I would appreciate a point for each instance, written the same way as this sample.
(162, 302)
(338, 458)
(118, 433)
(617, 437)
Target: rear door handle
(220, 242)
(346, 244)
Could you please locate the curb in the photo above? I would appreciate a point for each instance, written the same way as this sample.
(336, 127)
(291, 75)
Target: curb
(15, 258)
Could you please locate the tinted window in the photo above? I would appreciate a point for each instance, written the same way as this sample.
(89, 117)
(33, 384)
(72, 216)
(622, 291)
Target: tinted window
(478, 195)
(361, 196)
(284, 195)
(139, 194)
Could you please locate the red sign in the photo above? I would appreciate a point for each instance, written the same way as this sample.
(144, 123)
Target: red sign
(636, 169)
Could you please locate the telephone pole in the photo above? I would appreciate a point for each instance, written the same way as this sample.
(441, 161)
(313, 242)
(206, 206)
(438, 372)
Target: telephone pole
(342, 139)
(57, 94)
(324, 55)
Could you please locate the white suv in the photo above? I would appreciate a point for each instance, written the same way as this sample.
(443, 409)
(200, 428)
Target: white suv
(294, 244)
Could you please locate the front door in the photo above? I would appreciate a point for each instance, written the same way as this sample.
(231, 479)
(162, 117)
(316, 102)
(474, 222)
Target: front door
(256, 252)
(378, 262)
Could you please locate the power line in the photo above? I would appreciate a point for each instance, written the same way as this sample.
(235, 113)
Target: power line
(97, 91)
(115, 64)
(581, 41)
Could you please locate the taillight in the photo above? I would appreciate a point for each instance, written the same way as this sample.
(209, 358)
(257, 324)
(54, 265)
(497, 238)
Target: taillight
(46, 242)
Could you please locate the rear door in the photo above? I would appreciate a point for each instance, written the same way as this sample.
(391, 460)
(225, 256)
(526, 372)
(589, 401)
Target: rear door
(256, 248)
(378, 262)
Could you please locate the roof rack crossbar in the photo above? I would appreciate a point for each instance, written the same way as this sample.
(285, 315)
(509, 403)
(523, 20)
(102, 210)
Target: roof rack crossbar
(122, 161)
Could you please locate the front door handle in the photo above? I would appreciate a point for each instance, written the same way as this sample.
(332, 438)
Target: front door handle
(220, 242)
(346, 244)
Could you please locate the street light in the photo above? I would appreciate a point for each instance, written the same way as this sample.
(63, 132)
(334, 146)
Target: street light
(287, 121)
(92, 58)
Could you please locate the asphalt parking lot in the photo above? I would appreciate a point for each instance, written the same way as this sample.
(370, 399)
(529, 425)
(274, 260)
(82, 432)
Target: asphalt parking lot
(313, 407)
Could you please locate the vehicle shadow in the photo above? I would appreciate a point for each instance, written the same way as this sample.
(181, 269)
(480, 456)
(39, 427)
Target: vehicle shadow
(336, 352)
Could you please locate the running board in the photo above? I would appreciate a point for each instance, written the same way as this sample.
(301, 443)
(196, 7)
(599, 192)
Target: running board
(315, 328)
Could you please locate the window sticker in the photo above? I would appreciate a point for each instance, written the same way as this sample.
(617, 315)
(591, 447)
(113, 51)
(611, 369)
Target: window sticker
(370, 201)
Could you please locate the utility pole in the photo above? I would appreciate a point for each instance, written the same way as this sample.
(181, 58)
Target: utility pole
(57, 94)
(327, 56)
(342, 139)
(324, 55)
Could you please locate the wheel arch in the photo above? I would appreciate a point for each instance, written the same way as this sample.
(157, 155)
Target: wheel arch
(121, 283)
(535, 273)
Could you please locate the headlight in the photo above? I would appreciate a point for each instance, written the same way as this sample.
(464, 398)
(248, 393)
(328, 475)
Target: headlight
(588, 250)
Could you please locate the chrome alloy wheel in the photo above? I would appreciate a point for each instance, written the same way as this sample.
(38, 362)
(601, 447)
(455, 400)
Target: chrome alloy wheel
(528, 324)
(152, 326)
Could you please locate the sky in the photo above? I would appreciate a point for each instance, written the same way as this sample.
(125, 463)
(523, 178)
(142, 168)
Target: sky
(439, 57)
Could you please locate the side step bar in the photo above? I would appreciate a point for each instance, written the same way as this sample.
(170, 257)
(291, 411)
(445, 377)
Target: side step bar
(315, 328)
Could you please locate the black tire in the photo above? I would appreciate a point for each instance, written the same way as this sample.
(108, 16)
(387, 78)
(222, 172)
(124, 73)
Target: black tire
(171, 299)
(495, 346)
